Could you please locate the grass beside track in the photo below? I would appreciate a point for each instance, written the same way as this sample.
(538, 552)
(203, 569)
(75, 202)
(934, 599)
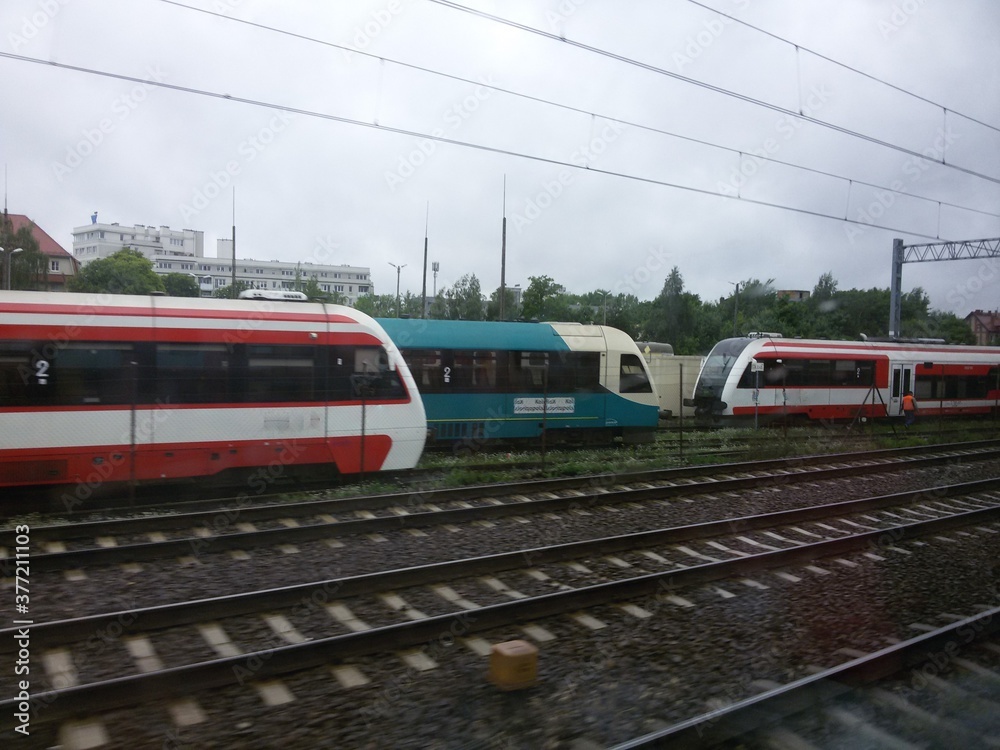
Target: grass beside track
(440, 469)
(696, 448)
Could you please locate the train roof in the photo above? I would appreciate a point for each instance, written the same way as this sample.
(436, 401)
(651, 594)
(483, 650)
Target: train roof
(420, 333)
(98, 306)
(868, 345)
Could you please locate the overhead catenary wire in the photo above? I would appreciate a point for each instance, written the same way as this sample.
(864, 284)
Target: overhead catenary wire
(710, 87)
(541, 100)
(869, 76)
(450, 141)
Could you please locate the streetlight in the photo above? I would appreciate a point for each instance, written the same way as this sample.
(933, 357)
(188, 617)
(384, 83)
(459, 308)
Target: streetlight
(605, 306)
(7, 255)
(398, 269)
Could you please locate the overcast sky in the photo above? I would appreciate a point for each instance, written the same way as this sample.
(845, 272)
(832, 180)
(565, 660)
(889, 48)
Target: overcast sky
(631, 145)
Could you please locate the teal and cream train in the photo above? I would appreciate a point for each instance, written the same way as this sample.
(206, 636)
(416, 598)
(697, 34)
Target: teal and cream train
(484, 382)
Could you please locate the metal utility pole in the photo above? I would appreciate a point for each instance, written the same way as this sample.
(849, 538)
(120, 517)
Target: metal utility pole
(398, 270)
(423, 293)
(503, 255)
(233, 287)
(736, 306)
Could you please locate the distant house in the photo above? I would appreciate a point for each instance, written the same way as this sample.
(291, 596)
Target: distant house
(985, 326)
(793, 295)
(61, 264)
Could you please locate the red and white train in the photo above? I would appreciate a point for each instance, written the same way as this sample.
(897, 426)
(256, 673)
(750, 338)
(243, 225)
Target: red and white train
(101, 390)
(769, 377)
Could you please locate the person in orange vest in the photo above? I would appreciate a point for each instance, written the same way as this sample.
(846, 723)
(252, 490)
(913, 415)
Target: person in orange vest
(909, 408)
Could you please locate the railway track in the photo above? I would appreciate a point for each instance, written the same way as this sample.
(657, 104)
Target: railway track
(793, 539)
(231, 529)
(938, 689)
(267, 488)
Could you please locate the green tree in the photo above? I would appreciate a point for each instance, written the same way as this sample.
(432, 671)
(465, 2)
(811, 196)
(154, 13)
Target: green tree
(511, 310)
(465, 299)
(181, 285)
(825, 288)
(439, 307)
(312, 290)
(674, 316)
(232, 291)
(127, 271)
(947, 326)
(624, 312)
(544, 299)
(377, 305)
(409, 305)
(681, 319)
(28, 268)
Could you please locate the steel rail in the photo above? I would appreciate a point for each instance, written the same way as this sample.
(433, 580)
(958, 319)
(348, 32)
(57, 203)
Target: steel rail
(198, 545)
(773, 706)
(237, 670)
(252, 512)
(62, 632)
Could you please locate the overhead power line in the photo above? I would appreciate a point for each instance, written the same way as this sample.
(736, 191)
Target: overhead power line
(710, 87)
(450, 141)
(839, 64)
(541, 100)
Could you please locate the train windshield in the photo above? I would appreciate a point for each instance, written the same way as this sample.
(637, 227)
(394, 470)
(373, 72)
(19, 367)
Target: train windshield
(719, 363)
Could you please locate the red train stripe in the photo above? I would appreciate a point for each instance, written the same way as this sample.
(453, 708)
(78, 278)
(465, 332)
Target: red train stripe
(179, 407)
(57, 335)
(250, 313)
(90, 467)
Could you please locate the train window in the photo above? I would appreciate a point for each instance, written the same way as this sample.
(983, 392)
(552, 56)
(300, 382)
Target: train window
(372, 376)
(575, 372)
(527, 372)
(91, 373)
(811, 373)
(339, 368)
(23, 375)
(359, 372)
(853, 372)
(951, 386)
(472, 371)
(427, 368)
(279, 373)
(924, 387)
(633, 377)
(370, 359)
(192, 373)
(721, 360)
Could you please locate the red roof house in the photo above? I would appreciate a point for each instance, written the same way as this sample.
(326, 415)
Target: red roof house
(61, 264)
(985, 326)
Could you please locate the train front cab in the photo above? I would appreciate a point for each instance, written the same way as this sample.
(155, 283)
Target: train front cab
(631, 402)
(708, 397)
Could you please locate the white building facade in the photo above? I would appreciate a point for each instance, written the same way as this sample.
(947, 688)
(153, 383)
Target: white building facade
(183, 251)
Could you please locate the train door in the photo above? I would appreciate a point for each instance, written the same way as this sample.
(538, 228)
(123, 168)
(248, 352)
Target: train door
(902, 381)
